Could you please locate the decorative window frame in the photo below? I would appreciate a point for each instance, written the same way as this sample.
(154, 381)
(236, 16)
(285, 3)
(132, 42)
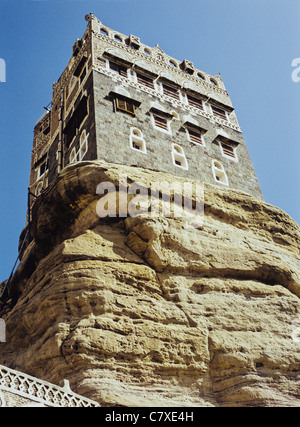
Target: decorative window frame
(136, 137)
(162, 116)
(219, 116)
(178, 155)
(219, 173)
(227, 156)
(188, 129)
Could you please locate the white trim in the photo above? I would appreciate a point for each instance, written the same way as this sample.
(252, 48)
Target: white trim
(235, 158)
(168, 131)
(219, 172)
(178, 155)
(136, 137)
(202, 144)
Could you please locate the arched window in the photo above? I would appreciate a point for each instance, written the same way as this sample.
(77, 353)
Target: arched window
(118, 38)
(137, 141)
(178, 157)
(103, 31)
(39, 188)
(219, 172)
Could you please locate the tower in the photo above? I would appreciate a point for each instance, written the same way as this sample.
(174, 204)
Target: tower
(122, 101)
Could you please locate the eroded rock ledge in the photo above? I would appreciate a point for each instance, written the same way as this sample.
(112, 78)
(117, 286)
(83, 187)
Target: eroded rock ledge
(147, 311)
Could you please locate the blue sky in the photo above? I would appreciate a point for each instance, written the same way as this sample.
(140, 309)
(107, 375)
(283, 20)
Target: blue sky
(250, 42)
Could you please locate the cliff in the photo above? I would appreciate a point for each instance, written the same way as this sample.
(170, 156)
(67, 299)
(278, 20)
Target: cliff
(150, 311)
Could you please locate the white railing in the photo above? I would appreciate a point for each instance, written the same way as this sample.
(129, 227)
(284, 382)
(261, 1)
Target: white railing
(40, 391)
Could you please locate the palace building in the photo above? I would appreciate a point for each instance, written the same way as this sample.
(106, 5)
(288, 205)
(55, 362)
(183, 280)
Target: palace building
(121, 101)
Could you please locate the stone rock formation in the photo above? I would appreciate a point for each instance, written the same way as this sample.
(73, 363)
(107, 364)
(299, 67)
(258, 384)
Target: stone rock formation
(147, 311)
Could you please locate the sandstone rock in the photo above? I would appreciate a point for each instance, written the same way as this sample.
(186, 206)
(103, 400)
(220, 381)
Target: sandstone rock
(148, 311)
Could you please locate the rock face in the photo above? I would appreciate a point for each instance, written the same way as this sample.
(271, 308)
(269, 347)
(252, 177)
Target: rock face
(147, 311)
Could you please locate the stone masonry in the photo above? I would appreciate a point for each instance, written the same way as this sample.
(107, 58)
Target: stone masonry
(121, 101)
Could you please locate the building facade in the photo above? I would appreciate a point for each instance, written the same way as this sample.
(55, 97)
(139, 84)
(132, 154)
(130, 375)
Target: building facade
(122, 101)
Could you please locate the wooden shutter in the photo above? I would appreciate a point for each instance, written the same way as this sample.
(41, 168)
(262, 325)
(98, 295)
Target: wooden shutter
(125, 105)
(219, 112)
(170, 91)
(195, 136)
(195, 102)
(145, 81)
(161, 122)
(228, 150)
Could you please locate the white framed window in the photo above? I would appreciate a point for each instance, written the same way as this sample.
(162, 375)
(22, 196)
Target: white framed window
(178, 157)
(195, 102)
(195, 135)
(137, 141)
(161, 123)
(219, 172)
(118, 69)
(219, 112)
(77, 156)
(228, 151)
(42, 169)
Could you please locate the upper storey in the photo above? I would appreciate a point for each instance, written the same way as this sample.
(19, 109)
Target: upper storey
(100, 46)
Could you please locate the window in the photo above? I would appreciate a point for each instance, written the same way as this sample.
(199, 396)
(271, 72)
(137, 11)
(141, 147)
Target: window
(125, 105)
(161, 123)
(77, 156)
(213, 82)
(170, 91)
(75, 120)
(195, 102)
(42, 169)
(219, 172)
(219, 112)
(104, 31)
(39, 189)
(228, 150)
(178, 157)
(118, 69)
(144, 80)
(137, 141)
(194, 135)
